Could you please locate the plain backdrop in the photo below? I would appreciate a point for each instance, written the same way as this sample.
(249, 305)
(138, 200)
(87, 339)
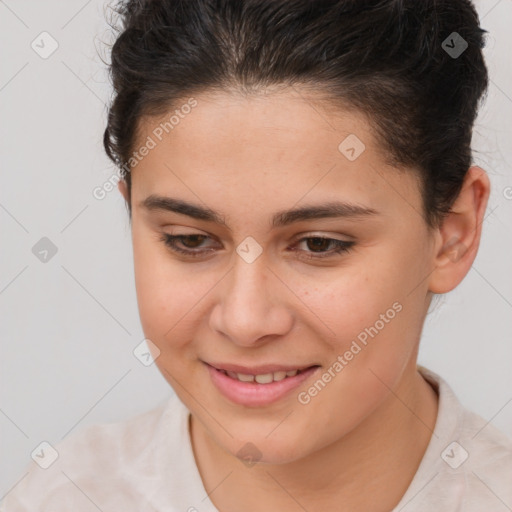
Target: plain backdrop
(69, 325)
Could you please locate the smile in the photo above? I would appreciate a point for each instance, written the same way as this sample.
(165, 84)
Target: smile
(262, 378)
(260, 386)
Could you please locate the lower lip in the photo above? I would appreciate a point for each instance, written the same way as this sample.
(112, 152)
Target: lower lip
(252, 394)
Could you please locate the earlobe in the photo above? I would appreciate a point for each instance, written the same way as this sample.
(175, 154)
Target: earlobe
(459, 235)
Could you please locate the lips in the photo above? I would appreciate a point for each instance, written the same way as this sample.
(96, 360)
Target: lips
(263, 374)
(263, 378)
(259, 369)
(258, 385)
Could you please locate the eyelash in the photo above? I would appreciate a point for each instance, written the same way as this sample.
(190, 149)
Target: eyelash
(341, 246)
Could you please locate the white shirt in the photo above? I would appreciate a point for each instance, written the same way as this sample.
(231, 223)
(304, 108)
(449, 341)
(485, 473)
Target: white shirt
(146, 464)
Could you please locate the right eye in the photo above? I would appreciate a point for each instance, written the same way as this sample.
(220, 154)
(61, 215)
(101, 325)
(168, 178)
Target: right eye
(185, 244)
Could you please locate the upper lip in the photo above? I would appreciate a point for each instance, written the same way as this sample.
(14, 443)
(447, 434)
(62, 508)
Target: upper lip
(259, 369)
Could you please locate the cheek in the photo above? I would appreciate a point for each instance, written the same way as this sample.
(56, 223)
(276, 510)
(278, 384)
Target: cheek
(368, 316)
(152, 285)
(343, 303)
(168, 295)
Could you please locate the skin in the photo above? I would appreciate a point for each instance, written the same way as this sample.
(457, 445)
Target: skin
(247, 158)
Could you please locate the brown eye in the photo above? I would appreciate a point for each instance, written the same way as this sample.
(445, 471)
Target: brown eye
(188, 245)
(318, 244)
(322, 247)
(192, 241)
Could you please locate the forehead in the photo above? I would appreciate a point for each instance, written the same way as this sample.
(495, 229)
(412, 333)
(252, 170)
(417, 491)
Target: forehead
(277, 119)
(277, 146)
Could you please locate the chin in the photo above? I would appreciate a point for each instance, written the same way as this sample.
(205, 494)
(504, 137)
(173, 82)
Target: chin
(257, 446)
(266, 452)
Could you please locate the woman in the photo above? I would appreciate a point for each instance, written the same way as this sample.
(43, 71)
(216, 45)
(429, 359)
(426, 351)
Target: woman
(299, 182)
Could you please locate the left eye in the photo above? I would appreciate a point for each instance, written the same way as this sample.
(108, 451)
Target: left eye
(318, 247)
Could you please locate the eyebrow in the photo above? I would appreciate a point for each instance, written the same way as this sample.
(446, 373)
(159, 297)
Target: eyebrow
(282, 218)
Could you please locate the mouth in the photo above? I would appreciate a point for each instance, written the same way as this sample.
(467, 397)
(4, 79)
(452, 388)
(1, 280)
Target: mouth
(263, 377)
(258, 386)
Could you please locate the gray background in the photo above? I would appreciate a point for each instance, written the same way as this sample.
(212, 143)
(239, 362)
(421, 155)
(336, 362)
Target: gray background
(69, 325)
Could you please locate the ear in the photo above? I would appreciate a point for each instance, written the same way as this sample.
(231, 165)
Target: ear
(123, 188)
(458, 238)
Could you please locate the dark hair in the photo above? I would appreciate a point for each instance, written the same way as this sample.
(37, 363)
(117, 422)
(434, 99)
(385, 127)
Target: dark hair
(396, 61)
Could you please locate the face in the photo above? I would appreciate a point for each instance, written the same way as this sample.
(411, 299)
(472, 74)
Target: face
(265, 242)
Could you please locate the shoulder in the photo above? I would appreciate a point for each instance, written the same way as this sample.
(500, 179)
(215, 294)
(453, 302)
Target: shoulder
(488, 464)
(89, 466)
(470, 458)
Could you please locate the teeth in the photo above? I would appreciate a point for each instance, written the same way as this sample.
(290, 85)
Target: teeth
(279, 375)
(265, 378)
(244, 378)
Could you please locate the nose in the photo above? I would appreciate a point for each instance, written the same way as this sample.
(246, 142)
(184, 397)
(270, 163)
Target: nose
(253, 306)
